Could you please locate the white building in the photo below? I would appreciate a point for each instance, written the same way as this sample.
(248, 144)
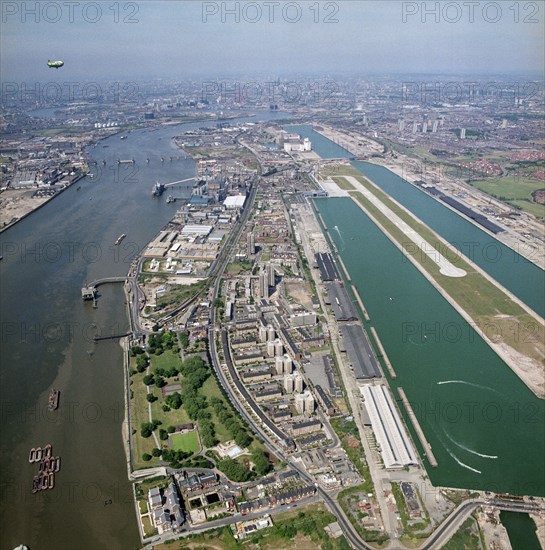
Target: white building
(234, 201)
(396, 447)
(297, 144)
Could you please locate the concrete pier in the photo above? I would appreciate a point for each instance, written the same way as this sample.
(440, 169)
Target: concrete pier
(343, 266)
(383, 353)
(417, 428)
(88, 292)
(358, 298)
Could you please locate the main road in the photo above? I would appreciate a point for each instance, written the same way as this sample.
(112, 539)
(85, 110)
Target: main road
(348, 530)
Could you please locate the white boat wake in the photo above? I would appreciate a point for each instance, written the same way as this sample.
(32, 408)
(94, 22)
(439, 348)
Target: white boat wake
(340, 236)
(468, 384)
(462, 464)
(468, 449)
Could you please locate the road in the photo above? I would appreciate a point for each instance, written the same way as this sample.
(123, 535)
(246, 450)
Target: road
(452, 523)
(346, 526)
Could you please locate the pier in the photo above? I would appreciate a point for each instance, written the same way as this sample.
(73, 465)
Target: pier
(113, 337)
(383, 353)
(417, 428)
(340, 260)
(358, 298)
(89, 291)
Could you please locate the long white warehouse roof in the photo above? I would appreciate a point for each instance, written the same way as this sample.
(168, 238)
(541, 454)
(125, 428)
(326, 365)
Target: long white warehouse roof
(196, 230)
(234, 201)
(396, 447)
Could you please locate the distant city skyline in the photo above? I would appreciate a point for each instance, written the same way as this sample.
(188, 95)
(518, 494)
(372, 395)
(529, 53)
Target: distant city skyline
(130, 40)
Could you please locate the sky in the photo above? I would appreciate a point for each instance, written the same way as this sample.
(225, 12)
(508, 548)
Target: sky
(193, 38)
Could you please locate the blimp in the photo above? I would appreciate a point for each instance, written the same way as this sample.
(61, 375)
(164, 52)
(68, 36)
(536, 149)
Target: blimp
(54, 64)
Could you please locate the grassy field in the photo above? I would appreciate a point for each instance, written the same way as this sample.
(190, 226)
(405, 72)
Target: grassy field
(516, 191)
(485, 303)
(188, 442)
(300, 529)
(139, 415)
(178, 294)
(148, 529)
(172, 417)
(465, 538)
(166, 360)
(211, 389)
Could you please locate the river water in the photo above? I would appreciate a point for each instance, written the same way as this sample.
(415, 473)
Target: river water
(484, 425)
(486, 428)
(521, 529)
(47, 341)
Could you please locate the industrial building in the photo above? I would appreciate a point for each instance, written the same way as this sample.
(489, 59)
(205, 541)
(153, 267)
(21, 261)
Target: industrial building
(234, 202)
(338, 297)
(360, 353)
(327, 267)
(396, 448)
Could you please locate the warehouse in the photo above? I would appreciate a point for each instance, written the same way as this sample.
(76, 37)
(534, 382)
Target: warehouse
(360, 353)
(396, 449)
(338, 297)
(328, 270)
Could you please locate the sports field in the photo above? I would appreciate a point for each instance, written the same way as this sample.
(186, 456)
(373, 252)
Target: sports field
(188, 442)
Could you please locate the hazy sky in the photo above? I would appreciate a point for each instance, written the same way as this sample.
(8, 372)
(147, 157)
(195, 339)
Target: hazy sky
(178, 38)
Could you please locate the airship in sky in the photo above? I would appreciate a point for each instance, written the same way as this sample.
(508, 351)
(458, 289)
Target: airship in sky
(54, 64)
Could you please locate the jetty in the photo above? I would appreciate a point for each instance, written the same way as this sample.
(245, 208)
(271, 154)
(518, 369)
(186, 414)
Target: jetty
(89, 291)
(358, 298)
(383, 354)
(417, 428)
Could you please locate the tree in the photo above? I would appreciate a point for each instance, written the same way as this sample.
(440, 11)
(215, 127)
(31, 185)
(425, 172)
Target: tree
(242, 439)
(261, 463)
(160, 382)
(233, 470)
(151, 398)
(149, 379)
(174, 400)
(137, 350)
(156, 452)
(146, 429)
(141, 363)
(146, 457)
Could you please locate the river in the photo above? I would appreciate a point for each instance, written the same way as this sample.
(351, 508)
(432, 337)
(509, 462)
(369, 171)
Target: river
(47, 341)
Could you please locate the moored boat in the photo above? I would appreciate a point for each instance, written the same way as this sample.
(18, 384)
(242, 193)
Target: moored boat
(53, 402)
(47, 450)
(120, 238)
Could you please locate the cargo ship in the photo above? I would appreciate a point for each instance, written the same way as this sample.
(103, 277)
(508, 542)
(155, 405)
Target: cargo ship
(158, 189)
(53, 399)
(120, 238)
